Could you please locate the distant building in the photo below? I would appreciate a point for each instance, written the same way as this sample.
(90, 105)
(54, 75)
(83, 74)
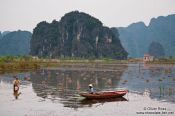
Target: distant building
(148, 58)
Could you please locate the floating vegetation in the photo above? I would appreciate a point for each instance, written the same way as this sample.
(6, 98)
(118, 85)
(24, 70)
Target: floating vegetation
(125, 81)
(173, 79)
(167, 71)
(84, 78)
(170, 91)
(147, 80)
(160, 80)
(27, 78)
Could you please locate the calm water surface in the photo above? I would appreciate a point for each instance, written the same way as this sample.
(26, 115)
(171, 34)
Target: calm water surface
(54, 91)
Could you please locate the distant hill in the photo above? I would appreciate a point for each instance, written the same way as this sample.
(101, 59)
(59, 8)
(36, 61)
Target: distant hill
(77, 34)
(5, 33)
(0, 35)
(15, 43)
(137, 37)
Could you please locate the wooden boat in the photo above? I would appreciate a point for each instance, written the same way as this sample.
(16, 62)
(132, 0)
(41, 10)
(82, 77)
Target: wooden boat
(104, 94)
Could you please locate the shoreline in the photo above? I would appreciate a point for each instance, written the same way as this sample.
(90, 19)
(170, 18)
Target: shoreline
(35, 64)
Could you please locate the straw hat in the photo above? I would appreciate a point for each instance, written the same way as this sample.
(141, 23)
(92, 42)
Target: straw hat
(90, 85)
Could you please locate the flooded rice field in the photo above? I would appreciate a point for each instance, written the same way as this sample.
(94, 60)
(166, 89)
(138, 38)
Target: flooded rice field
(54, 91)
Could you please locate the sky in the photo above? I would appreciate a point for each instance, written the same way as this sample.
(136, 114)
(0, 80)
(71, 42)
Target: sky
(26, 14)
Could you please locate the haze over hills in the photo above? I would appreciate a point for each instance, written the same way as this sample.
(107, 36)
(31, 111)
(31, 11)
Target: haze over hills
(15, 43)
(137, 37)
(77, 34)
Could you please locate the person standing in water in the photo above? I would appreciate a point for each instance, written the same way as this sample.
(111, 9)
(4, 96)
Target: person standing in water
(16, 84)
(91, 89)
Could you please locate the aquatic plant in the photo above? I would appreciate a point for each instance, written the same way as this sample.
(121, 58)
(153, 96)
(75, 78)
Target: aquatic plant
(160, 80)
(147, 80)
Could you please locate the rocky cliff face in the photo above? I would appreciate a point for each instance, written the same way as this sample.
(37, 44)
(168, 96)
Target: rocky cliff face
(76, 35)
(137, 37)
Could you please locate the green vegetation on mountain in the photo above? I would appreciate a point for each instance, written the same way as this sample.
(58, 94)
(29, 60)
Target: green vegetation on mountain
(76, 35)
(15, 43)
(156, 50)
(5, 33)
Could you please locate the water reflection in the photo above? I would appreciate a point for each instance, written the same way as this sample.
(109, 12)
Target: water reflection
(64, 84)
(76, 102)
(16, 94)
(89, 102)
(158, 79)
(8, 78)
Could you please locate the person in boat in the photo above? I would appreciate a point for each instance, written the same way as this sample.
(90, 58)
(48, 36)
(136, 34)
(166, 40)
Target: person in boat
(91, 89)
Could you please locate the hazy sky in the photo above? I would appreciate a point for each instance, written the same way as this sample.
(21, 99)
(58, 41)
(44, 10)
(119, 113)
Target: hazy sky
(25, 14)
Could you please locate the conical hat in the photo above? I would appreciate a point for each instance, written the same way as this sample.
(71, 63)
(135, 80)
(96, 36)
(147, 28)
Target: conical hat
(90, 85)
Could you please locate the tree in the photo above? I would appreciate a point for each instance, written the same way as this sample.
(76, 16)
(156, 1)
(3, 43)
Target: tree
(156, 50)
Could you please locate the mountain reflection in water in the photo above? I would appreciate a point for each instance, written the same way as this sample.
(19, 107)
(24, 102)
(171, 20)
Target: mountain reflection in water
(64, 84)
